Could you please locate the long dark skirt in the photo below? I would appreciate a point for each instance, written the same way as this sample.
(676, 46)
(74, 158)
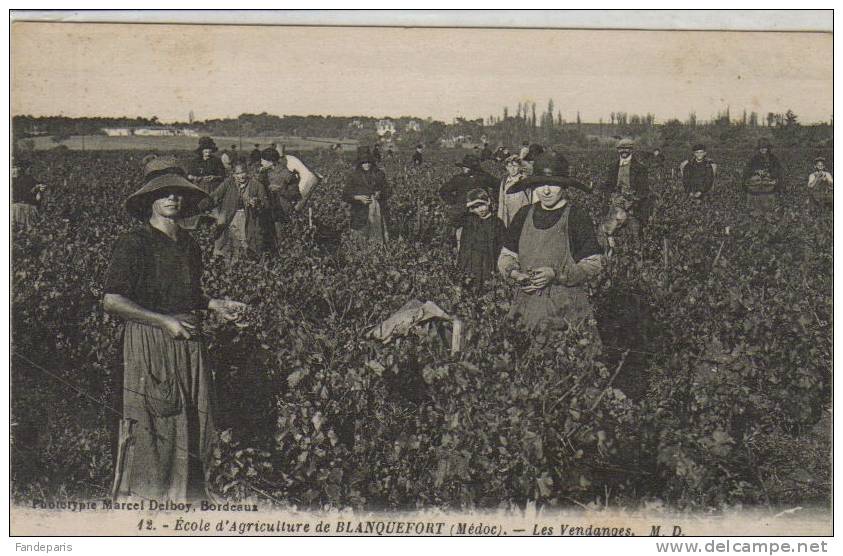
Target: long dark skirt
(167, 407)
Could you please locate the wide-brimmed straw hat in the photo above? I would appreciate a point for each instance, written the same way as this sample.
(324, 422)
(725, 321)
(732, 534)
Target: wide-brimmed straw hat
(549, 169)
(160, 173)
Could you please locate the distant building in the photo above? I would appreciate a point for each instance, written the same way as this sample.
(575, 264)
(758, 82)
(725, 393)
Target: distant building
(385, 126)
(187, 132)
(412, 125)
(117, 131)
(357, 124)
(155, 131)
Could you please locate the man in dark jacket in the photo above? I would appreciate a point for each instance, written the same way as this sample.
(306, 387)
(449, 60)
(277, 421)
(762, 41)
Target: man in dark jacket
(486, 153)
(698, 172)
(627, 185)
(454, 191)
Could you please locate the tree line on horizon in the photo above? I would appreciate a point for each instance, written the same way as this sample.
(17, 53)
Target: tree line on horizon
(525, 124)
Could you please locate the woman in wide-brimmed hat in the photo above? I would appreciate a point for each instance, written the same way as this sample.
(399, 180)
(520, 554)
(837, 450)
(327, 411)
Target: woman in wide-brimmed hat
(550, 252)
(367, 192)
(207, 171)
(154, 283)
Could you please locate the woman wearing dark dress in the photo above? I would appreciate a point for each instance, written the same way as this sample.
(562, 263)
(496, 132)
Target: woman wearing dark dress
(367, 192)
(480, 242)
(153, 283)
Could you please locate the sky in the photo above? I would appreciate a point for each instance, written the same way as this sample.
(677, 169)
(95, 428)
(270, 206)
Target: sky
(84, 69)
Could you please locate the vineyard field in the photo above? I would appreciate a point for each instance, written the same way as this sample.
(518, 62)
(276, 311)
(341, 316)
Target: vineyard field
(713, 390)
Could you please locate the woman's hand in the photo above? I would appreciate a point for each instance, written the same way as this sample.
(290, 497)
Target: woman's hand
(227, 309)
(541, 277)
(176, 328)
(365, 199)
(519, 277)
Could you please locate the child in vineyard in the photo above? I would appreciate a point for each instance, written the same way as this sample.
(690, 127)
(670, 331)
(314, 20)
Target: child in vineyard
(551, 252)
(455, 190)
(482, 235)
(154, 283)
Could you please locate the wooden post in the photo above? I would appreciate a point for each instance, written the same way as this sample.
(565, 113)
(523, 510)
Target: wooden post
(456, 337)
(310, 217)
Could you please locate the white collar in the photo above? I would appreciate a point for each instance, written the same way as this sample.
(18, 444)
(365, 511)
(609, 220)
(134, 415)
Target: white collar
(562, 202)
(625, 161)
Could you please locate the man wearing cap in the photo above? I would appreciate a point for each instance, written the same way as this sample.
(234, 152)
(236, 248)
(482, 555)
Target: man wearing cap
(255, 155)
(698, 172)
(762, 178)
(418, 157)
(27, 194)
(550, 251)
(154, 284)
(367, 192)
(207, 171)
(454, 191)
(627, 187)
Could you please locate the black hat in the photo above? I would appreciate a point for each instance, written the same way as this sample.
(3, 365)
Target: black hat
(270, 154)
(698, 147)
(364, 154)
(548, 169)
(819, 159)
(469, 161)
(206, 143)
(419, 147)
(163, 173)
(764, 143)
(533, 152)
